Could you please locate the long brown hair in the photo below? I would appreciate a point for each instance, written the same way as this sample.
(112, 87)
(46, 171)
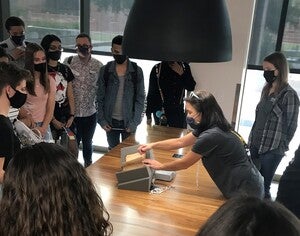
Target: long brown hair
(280, 63)
(30, 51)
(46, 191)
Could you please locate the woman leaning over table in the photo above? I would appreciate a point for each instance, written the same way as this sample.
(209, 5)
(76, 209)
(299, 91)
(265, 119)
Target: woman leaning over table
(276, 119)
(39, 105)
(222, 153)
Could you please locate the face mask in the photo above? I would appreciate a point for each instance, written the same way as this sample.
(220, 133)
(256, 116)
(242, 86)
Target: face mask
(18, 99)
(120, 59)
(269, 76)
(40, 67)
(54, 55)
(83, 51)
(18, 40)
(191, 122)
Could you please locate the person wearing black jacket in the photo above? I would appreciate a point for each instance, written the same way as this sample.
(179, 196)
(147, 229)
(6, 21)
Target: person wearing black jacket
(167, 85)
(289, 186)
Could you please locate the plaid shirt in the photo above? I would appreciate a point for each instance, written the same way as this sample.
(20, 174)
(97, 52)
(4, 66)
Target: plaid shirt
(281, 123)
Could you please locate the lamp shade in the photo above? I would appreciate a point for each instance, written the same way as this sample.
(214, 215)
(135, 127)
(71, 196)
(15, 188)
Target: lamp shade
(178, 30)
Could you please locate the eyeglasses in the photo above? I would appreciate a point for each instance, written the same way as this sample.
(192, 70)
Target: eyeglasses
(192, 94)
(55, 48)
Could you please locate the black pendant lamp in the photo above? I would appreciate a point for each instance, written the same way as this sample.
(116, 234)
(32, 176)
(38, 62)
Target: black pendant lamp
(178, 30)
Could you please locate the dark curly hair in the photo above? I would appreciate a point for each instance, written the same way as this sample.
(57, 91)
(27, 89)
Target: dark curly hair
(248, 216)
(46, 191)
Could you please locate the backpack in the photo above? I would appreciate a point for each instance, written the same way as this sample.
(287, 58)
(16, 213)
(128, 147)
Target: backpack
(133, 75)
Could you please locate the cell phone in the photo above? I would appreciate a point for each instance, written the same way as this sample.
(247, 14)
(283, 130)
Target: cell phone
(70, 134)
(120, 129)
(176, 155)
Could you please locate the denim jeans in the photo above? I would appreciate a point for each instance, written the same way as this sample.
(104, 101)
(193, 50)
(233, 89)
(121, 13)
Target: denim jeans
(48, 135)
(113, 136)
(85, 131)
(267, 164)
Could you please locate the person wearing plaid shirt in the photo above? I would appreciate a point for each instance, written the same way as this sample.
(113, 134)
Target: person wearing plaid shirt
(276, 119)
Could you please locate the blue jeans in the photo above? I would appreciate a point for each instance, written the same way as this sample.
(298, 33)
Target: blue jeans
(48, 135)
(113, 136)
(85, 131)
(267, 164)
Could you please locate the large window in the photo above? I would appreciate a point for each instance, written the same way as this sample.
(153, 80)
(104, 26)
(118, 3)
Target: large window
(276, 27)
(107, 19)
(48, 17)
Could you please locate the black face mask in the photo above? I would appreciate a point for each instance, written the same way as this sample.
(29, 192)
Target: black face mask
(191, 122)
(84, 51)
(40, 67)
(18, 99)
(120, 59)
(18, 40)
(269, 76)
(55, 56)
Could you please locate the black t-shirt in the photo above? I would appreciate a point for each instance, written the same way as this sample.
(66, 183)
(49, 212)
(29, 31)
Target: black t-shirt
(9, 142)
(226, 161)
(62, 75)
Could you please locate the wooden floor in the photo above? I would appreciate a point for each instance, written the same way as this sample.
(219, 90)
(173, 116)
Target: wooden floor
(180, 210)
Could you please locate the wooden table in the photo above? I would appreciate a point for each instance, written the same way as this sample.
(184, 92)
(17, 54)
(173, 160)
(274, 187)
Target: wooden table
(180, 210)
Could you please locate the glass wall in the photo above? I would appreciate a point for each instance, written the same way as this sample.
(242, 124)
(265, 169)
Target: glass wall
(43, 17)
(107, 19)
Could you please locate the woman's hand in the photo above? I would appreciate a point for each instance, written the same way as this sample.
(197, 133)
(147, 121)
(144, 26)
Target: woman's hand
(42, 129)
(153, 164)
(144, 148)
(57, 124)
(70, 121)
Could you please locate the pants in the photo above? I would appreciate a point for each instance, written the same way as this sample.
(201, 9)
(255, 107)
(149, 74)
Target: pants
(113, 136)
(48, 135)
(85, 131)
(267, 164)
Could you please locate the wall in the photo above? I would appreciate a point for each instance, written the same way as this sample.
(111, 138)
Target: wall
(221, 78)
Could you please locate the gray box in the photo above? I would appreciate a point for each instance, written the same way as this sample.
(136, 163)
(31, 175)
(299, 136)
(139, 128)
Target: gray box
(138, 179)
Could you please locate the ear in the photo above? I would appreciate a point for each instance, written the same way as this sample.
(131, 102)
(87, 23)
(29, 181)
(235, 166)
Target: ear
(9, 91)
(276, 72)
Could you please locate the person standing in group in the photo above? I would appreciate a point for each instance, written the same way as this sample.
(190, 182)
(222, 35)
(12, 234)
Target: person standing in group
(289, 185)
(214, 142)
(39, 105)
(276, 118)
(13, 112)
(46, 191)
(15, 44)
(167, 85)
(120, 96)
(13, 93)
(3, 55)
(85, 69)
(64, 109)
